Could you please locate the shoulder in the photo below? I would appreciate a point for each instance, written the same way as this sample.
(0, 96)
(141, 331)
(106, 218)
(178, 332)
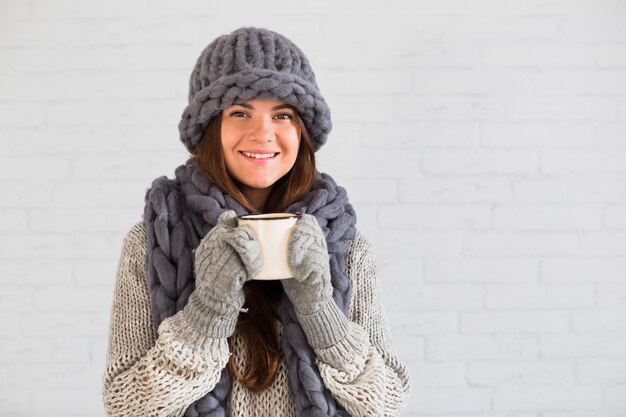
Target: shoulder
(136, 234)
(362, 272)
(135, 240)
(360, 250)
(360, 262)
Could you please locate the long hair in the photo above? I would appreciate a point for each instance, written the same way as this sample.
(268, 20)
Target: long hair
(262, 297)
(209, 158)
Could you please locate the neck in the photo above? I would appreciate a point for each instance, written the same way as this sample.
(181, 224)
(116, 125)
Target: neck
(257, 197)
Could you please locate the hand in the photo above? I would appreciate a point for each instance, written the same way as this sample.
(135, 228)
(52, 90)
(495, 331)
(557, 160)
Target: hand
(308, 259)
(225, 259)
(311, 290)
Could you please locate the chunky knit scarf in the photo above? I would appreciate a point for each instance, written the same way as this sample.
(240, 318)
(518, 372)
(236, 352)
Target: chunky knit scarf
(179, 212)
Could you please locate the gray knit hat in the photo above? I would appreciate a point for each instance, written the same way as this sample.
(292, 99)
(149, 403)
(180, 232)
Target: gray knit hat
(252, 63)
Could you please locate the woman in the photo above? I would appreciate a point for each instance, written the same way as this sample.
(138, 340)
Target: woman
(191, 332)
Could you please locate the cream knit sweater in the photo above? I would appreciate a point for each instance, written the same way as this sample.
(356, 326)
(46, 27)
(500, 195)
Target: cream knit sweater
(160, 372)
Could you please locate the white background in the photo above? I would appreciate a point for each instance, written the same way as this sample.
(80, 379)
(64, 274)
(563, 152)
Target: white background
(482, 142)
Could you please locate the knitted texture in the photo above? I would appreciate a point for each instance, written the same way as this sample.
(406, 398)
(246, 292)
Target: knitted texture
(308, 260)
(225, 259)
(180, 212)
(150, 373)
(311, 291)
(252, 63)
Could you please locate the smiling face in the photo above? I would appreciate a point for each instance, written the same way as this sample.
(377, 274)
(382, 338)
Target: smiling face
(260, 141)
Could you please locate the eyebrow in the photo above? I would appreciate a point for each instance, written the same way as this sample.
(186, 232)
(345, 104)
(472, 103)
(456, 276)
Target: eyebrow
(280, 106)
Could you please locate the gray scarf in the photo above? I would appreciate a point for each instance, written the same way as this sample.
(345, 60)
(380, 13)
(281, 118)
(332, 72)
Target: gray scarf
(179, 212)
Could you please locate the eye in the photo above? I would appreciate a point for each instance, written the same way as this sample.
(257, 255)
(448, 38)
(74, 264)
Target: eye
(284, 116)
(237, 113)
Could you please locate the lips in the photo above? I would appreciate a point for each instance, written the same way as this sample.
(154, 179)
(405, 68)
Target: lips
(257, 154)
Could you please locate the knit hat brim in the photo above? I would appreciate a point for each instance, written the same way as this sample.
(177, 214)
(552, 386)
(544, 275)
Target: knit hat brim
(256, 83)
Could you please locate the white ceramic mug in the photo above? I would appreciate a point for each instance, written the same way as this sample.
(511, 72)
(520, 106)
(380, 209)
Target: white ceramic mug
(272, 231)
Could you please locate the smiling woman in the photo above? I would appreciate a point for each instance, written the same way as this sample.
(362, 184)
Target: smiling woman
(260, 142)
(192, 332)
(263, 186)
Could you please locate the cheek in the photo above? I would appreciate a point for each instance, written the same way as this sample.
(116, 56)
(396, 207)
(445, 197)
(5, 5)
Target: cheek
(227, 155)
(225, 137)
(293, 138)
(294, 149)
(228, 141)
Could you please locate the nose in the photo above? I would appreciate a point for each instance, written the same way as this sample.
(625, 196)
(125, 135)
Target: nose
(262, 130)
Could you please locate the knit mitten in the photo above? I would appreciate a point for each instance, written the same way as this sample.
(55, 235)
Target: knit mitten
(311, 290)
(225, 259)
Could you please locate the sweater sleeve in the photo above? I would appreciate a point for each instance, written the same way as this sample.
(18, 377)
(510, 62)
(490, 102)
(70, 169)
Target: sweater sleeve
(361, 370)
(150, 372)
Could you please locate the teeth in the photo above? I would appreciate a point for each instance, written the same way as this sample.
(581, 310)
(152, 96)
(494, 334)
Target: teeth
(259, 155)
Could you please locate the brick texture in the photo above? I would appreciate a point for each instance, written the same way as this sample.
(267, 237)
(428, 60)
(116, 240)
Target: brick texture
(482, 142)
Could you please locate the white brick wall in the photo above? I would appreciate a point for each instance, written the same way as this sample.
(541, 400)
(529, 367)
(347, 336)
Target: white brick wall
(496, 128)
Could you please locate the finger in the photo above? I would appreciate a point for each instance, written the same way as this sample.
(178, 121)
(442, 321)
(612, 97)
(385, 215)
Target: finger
(307, 235)
(212, 238)
(228, 218)
(242, 240)
(309, 225)
(309, 222)
(244, 232)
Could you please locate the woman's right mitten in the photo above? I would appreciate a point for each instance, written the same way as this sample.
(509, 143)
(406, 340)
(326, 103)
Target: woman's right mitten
(225, 259)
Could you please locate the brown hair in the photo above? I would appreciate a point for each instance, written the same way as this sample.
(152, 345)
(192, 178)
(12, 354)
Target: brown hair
(209, 158)
(262, 297)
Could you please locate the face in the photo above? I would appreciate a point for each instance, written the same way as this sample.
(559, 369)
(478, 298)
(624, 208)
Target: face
(260, 141)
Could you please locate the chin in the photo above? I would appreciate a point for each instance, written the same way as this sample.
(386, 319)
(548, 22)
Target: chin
(262, 185)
